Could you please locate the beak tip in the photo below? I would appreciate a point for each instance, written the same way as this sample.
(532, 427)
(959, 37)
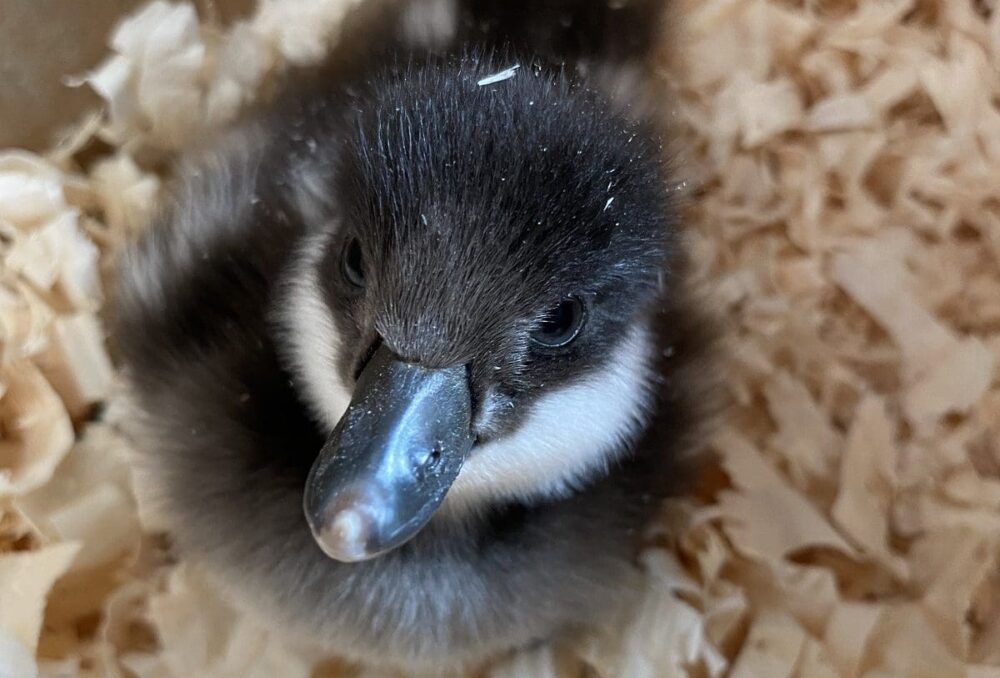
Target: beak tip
(349, 527)
(371, 488)
(345, 537)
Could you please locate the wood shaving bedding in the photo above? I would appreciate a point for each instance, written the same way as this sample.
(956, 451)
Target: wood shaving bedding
(841, 163)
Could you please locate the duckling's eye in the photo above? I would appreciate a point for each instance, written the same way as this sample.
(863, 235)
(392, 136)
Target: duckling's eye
(352, 264)
(561, 324)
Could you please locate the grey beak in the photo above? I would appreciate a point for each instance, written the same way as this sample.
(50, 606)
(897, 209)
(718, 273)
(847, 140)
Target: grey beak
(388, 464)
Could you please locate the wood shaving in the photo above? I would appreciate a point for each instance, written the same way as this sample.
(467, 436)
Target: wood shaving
(867, 485)
(171, 78)
(25, 578)
(840, 162)
(848, 634)
(765, 517)
(37, 430)
(772, 647)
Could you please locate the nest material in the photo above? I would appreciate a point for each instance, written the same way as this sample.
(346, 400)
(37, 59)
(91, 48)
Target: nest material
(843, 170)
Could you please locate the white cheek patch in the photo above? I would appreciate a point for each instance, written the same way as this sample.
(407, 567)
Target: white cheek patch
(569, 436)
(311, 335)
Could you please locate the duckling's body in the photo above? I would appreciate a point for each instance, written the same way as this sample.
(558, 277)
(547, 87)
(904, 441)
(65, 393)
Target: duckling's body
(474, 208)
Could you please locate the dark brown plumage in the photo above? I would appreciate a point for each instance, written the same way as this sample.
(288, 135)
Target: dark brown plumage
(390, 202)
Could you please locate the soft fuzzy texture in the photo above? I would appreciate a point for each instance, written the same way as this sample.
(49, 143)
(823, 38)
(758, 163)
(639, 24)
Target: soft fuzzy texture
(477, 203)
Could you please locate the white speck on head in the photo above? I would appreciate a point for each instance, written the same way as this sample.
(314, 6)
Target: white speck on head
(505, 74)
(569, 436)
(311, 340)
(608, 203)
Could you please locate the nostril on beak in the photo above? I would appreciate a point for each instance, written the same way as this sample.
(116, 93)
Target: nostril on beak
(430, 462)
(434, 457)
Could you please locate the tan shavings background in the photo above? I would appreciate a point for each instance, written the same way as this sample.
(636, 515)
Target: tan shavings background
(842, 164)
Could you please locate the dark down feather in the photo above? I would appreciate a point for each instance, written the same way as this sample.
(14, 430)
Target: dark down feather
(477, 208)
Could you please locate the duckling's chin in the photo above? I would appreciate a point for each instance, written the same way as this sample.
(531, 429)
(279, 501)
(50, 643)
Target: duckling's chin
(570, 436)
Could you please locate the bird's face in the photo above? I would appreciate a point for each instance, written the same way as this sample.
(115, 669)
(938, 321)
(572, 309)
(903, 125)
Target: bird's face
(469, 315)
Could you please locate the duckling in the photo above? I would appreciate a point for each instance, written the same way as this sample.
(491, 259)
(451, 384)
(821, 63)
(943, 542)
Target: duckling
(412, 345)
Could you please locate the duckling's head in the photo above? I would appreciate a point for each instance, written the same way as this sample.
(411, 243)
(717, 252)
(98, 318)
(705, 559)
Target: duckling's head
(470, 314)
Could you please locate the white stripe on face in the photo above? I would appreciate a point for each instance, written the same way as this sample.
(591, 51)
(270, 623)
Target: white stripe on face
(569, 435)
(311, 335)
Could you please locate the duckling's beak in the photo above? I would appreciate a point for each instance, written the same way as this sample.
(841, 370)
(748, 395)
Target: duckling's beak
(388, 464)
